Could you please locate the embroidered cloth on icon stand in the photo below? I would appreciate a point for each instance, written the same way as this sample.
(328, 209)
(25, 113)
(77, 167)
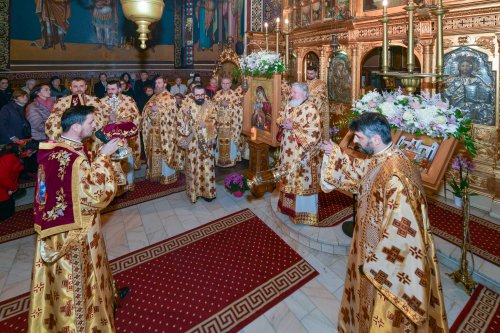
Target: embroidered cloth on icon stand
(21, 223)
(215, 278)
(481, 314)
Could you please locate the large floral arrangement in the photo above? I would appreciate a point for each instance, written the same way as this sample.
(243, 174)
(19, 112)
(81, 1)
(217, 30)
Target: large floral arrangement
(262, 63)
(419, 114)
(236, 184)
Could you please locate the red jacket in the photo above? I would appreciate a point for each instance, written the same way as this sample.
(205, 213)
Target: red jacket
(10, 168)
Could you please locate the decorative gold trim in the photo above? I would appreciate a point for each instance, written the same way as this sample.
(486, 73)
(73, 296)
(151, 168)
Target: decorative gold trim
(305, 218)
(75, 196)
(166, 180)
(228, 55)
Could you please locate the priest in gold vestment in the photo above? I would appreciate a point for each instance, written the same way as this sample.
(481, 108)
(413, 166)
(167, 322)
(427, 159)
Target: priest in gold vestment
(229, 104)
(392, 282)
(301, 127)
(72, 287)
(197, 130)
(123, 108)
(159, 167)
(319, 95)
(78, 87)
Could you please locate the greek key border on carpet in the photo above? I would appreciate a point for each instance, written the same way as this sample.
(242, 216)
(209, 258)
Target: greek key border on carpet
(241, 309)
(151, 252)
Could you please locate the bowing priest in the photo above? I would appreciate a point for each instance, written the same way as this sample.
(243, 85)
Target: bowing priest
(319, 95)
(72, 287)
(392, 282)
(197, 130)
(78, 97)
(161, 166)
(300, 128)
(229, 105)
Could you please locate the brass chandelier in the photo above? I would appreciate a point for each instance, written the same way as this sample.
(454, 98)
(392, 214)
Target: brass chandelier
(143, 13)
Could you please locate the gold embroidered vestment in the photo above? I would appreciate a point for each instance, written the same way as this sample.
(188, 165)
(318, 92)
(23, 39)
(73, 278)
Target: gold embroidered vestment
(299, 145)
(127, 110)
(200, 161)
(392, 282)
(53, 128)
(72, 288)
(230, 119)
(319, 95)
(156, 152)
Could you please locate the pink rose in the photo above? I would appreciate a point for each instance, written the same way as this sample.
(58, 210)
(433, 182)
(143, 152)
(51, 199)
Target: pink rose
(372, 104)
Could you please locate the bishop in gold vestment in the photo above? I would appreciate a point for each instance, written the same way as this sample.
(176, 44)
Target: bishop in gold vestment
(229, 104)
(78, 87)
(392, 282)
(159, 166)
(72, 287)
(319, 95)
(197, 130)
(299, 147)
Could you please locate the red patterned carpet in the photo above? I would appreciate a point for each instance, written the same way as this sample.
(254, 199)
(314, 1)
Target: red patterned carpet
(481, 314)
(21, 223)
(215, 278)
(334, 208)
(446, 222)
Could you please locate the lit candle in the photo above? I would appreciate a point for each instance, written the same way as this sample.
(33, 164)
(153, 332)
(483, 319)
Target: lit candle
(267, 36)
(277, 35)
(286, 25)
(253, 133)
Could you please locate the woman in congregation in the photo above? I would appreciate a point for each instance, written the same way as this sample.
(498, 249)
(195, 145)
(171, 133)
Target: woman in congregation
(39, 110)
(128, 80)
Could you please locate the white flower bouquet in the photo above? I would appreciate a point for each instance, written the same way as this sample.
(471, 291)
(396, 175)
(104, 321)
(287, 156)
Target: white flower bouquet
(262, 63)
(419, 114)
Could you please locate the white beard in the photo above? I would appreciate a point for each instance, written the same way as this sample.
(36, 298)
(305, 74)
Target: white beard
(295, 102)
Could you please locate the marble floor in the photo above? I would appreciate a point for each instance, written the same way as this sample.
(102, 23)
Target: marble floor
(312, 308)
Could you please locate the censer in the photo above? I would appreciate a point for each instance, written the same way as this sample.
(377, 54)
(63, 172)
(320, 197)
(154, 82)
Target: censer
(274, 175)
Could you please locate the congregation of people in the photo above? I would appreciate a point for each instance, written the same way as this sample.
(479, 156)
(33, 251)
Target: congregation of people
(190, 128)
(161, 113)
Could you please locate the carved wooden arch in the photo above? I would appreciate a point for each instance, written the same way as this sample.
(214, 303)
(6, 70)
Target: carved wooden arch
(228, 59)
(367, 48)
(301, 53)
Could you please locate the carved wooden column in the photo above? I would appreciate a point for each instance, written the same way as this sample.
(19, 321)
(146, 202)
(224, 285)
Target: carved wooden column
(428, 55)
(355, 71)
(300, 64)
(426, 41)
(322, 66)
(326, 52)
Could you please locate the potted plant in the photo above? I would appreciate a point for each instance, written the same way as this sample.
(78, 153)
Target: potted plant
(236, 184)
(460, 182)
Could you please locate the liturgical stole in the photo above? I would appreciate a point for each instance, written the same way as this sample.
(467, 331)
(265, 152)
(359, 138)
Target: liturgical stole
(57, 202)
